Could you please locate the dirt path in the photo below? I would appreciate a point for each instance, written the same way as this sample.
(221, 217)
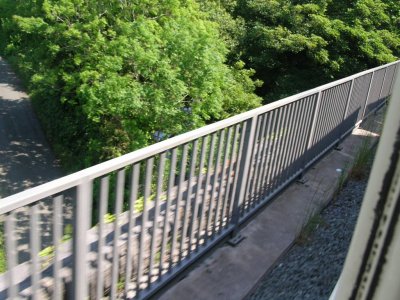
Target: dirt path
(26, 159)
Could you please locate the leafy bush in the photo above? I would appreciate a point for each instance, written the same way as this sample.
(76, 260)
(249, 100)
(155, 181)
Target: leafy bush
(106, 76)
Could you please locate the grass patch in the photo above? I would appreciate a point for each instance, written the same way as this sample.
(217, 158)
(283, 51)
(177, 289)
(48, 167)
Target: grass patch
(313, 224)
(312, 218)
(362, 162)
(358, 170)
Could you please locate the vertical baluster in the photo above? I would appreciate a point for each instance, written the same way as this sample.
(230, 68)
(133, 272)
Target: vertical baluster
(346, 110)
(177, 206)
(188, 201)
(263, 187)
(82, 224)
(131, 223)
(160, 177)
(280, 150)
(305, 128)
(348, 100)
(205, 192)
(288, 146)
(306, 141)
(342, 106)
(143, 240)
(327, 116)
(57, 236)
(226, 210)
(104, 187)
(11, 255)
(235, 209)
(218, 211)
(167, 209)
(271, 144)
(295, 138)
(394, 78)
(197, 195)
(324, 113)
(210, 226)
(283, 134)
(243, 171)
(300, 134)
(363, 96)
(117, 232)
(34, 250)
(260, 160)
(277, 147)
(257, 152)
(310, 139)
(366, 98)
(248, 198)
(339, 106)
(380, 90)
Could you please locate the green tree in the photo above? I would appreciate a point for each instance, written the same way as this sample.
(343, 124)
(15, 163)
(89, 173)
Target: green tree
(107, 76)
(295, 45)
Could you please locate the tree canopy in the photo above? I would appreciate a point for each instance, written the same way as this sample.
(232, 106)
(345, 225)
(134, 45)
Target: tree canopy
(111, 76)
(108, 77)
(297, 44)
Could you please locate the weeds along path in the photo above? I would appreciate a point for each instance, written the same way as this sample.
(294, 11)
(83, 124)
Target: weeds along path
(26, 159)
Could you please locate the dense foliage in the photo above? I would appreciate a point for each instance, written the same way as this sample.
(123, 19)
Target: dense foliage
(297, 44)
(108, 77)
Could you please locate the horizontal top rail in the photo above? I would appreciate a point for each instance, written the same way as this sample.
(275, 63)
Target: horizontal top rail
(56, 186)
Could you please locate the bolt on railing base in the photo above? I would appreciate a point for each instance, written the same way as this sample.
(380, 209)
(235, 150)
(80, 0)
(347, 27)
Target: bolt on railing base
(234, 241)
(338, 148)
(301, 179)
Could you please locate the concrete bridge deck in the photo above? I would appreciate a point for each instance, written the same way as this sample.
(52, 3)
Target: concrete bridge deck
(230, 273)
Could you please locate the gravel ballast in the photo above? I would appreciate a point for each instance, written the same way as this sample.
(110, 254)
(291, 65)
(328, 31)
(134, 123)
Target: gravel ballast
(311, 268)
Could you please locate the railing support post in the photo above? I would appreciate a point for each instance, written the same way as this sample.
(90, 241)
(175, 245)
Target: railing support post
(383, 83)
(310, 137)
(242, 177)
(346, 110)
(314, 122)
(393, 78)
(366, 99)
(348, 100)
(81, 226)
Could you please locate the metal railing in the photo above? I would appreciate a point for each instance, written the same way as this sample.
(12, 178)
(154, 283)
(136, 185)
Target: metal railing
(140, 219)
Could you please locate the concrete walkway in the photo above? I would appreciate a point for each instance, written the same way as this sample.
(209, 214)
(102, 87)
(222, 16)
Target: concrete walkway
(230, 273)
(26, 159)
(25, 156)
